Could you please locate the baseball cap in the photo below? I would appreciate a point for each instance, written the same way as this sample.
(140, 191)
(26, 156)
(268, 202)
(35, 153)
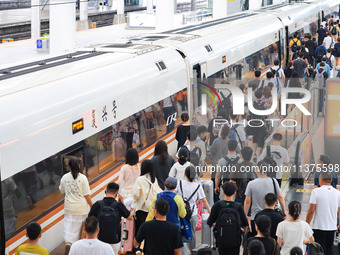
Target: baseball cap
(171, 182)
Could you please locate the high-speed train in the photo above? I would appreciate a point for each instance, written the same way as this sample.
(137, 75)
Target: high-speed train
(80, 104)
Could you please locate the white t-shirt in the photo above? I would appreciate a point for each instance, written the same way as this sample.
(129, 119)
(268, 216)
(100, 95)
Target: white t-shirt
(75, 190)
(327, 201)
(91, 247)
(279, 154)
(293, 234)
(178, 171)
(328, 41)
(281, 72)
(188, 189)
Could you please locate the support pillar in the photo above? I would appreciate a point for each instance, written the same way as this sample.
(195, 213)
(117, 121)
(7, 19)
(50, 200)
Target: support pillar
(62, 26)
(219, 9)
(120, 17)
(255, 5)
(165, 15)
(35, 19)
(193, 5)
(149, 7)
(83, 15)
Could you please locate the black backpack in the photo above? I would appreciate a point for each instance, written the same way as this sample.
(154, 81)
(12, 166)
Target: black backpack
(226, 102)
(334, 31)
(188, 209)
(230, 162)
(109, 223)
(320, 54)
(258, 105)
(270, 161)
(329, 62)
(227, 230)
(337, 50)
(294, 46)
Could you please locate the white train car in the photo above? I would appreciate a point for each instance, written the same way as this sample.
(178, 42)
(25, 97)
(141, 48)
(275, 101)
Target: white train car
(75, 105)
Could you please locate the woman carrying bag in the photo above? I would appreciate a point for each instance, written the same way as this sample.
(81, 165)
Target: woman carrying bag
(144, 190)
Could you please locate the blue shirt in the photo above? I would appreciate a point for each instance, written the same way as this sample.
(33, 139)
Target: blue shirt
(327, 68)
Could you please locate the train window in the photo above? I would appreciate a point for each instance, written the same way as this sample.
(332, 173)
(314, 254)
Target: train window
(208, 48)
(161, 66)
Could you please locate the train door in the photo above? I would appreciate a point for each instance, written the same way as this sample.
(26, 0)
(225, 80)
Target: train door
(287, 45)
(280, 46)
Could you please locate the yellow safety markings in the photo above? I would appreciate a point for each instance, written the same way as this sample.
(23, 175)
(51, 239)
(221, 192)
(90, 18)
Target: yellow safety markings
(304, 190)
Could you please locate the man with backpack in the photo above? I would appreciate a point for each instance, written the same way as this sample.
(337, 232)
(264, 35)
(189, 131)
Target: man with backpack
(277, 71)
(202, 137)
(237, 132)
(257, 127)
(326, 67)
(294, 43)
(277, 153)
(321, 34)
(330, 61)
(229, 221)
(109, 213)
(225, 166)
(334, 30)
(243, 174)
(177, 206)
(300, 66)
(310, 45)
(320, 77)
(258, 189)
(320, 52)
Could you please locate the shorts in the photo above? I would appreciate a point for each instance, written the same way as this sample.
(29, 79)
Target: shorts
(259, 134)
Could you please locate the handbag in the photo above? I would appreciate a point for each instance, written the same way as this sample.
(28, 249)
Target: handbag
(185, 228)
(199, 216)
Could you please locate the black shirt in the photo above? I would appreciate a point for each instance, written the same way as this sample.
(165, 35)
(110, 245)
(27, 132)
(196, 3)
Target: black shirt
(162, 171)
(300, 66)
(321, 34)
(121, 209)
(310, 45)
(270, 245)
(161, 237)
(181, 135)
(275, 219)
(215, 210)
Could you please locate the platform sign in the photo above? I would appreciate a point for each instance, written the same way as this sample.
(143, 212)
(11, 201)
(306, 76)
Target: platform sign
(39, 43)
(333, 109)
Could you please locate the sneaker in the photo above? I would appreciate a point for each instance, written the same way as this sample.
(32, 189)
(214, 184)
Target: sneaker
(138, 252)
(67, 248)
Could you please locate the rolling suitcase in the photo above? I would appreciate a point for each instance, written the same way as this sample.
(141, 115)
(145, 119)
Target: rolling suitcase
(201, 247)
(208, 188)
(207, 234)
(128, 234)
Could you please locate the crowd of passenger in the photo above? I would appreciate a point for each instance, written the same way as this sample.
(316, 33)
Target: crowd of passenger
(162, 197)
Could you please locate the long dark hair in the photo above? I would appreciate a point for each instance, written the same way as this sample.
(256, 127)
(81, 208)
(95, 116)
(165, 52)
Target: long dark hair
(132, 157)
(183, 156)
(263, 224)
(147, 168)
(161, 149)
(74, 163)
(294, 209)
